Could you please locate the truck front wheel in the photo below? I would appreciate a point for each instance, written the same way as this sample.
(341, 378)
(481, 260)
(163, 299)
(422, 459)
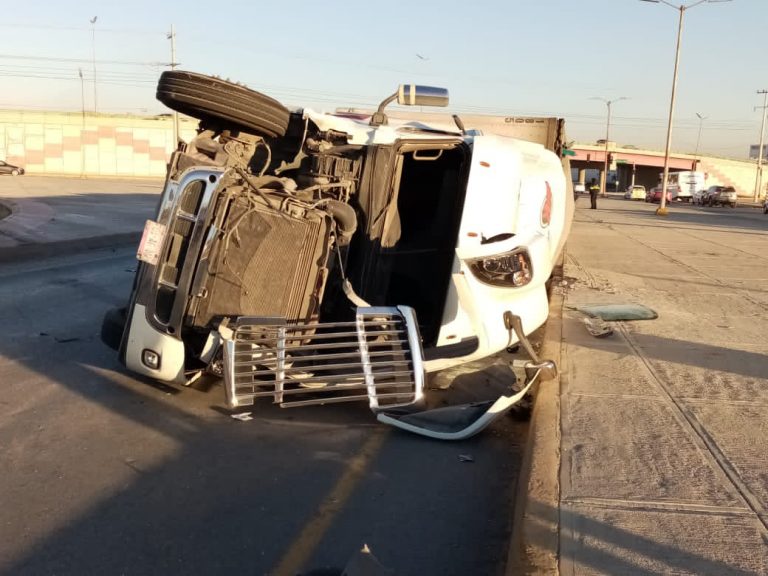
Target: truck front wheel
(222, 103)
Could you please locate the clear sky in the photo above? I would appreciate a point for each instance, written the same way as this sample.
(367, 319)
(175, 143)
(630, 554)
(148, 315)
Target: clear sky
(511, 57)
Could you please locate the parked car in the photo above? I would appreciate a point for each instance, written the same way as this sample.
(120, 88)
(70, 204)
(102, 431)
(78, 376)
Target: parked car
(721, 196)
(579, 188)
(6, 168)
(699, 196)
(300, 253)
(636, 192)
(654, 195)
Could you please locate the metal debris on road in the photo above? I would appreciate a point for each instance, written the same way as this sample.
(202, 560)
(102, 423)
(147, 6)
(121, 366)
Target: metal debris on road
(466, 458)
(242, 416)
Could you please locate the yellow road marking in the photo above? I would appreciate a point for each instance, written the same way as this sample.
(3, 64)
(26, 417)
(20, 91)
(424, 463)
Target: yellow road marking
(303, 547)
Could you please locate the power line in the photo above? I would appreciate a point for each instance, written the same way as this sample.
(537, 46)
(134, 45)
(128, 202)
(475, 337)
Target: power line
(80, 60)
(81, 29)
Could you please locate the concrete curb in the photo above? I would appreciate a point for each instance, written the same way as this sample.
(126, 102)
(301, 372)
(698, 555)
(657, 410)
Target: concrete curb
(535, 542)
(49, 249)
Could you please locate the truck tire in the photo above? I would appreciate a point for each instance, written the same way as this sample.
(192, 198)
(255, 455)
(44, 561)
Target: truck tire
(112, 327)
(226, 103)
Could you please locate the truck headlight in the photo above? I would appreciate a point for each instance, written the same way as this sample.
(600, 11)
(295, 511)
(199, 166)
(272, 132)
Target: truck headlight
(509, 269)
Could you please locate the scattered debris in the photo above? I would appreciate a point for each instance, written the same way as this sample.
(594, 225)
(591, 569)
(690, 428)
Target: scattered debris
(616, 312)
(242, 416)
(466, 458)
(465, 420)
(597, 327)
(364, 563)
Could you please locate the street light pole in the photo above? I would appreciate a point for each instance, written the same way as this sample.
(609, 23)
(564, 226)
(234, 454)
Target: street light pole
(759, 172)
(93, 53)
(82, 131)
(82, 93)
(604, 178)
(698, 138)
(662, 211)
(172, 37)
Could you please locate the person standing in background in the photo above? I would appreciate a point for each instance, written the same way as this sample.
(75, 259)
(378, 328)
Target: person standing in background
(594, 190)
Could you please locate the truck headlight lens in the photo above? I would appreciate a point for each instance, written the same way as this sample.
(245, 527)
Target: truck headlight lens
(509, 269)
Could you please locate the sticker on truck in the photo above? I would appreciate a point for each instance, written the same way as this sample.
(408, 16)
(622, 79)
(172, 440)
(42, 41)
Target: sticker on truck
(151, 242)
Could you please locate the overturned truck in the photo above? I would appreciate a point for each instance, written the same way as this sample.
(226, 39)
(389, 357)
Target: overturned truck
(313, 257)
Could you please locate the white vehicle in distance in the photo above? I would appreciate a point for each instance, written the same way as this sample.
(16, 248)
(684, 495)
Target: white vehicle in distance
(636, 192)
(683, 185)
(313, 258)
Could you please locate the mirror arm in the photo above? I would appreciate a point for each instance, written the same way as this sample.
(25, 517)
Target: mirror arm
(379, 118)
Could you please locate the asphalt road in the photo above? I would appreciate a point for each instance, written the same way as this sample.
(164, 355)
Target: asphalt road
(106, 473)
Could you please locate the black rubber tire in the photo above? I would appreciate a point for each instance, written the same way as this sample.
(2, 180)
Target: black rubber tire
(227, 104)
(112, 327)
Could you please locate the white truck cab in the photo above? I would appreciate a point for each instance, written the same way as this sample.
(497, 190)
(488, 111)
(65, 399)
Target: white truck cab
(303, 252)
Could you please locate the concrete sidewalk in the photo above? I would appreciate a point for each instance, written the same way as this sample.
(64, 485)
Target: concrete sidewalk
(650, 455)
(55, 215)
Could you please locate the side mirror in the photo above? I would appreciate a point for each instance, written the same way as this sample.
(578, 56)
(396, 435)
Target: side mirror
(411, 95)
(415, 95)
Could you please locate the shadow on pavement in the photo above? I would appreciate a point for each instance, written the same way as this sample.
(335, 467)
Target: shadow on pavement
(110, 476)
(604, 547)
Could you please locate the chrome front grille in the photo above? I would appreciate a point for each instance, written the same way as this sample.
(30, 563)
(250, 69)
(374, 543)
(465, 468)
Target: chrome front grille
(377, 358)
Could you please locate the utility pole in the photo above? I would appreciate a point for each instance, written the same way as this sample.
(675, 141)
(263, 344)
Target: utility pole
(759, 171)
(172, 37)
(93, 53)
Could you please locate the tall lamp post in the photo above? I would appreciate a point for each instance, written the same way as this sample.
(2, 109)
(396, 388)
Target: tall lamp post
(698, 138)
(93, 53)
(82, 93)
(172, 37)
(759, 171)
(604, 178)
(662, 211)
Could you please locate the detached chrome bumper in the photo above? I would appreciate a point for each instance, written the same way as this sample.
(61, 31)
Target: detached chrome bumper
(377, 357)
